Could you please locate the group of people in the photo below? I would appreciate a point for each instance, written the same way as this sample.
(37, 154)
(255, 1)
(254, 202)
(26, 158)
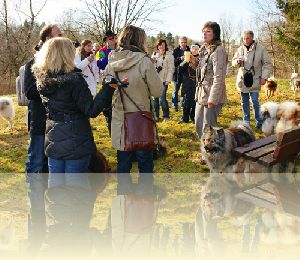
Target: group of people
(61, 84)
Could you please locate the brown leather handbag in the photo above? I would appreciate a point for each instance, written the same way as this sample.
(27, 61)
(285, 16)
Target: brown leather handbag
(140, 127)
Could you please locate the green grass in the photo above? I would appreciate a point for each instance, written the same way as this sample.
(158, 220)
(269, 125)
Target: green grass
(180, 173)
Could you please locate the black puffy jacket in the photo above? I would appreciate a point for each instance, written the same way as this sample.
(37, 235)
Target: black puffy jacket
(37, 112)
(69, 105)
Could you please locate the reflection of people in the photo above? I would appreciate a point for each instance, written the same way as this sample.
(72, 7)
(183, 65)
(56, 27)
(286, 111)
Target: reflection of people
(133, 218)
(211, 90)
(37, 163)
(251, 53)
(131, 61)
(164, 62)
(85, 61)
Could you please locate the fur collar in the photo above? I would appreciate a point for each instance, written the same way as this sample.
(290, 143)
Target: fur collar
(48, 82)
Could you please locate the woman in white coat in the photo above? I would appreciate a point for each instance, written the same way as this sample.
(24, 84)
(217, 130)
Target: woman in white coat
(85, 61)
(164, 62)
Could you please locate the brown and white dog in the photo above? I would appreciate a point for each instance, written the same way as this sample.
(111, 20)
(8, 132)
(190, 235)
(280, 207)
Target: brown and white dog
(279, 117)
(295, 82)
(7, 111)
(270, 87)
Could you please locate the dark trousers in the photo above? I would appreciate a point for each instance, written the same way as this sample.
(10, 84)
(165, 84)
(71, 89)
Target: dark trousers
(188, 103)
(164, 104)
(144, 159)
(175, 95)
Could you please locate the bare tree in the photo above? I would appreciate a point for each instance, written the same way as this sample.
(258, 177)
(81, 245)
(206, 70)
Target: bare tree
(19, 35)
(227, 30)
(267, 17)
(103, 15)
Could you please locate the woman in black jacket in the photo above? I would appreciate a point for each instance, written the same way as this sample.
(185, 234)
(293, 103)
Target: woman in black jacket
(69, 104)
(69, 144)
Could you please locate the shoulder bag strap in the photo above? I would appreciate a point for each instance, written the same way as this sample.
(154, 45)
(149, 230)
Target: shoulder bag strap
(252, 66)
(122, 90)
(91, 70)
(198, 71)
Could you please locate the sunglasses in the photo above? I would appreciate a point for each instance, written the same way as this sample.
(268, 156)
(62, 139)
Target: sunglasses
(111, 38)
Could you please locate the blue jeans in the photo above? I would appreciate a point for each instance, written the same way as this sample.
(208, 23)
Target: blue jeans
(246, 107)
(37, 160)
(69, 172)
(175, 95)
(144, 159)
(36, 172)
(164, 104)
(37, 184)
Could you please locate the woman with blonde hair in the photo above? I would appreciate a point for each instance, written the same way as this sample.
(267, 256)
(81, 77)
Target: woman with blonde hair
(69, 104)
(85, 61)
(69, 144)
(130, 61)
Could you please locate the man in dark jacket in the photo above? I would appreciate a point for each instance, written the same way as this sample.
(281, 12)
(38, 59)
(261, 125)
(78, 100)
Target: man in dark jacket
(110, 41)
(178, 54)
(37, 164)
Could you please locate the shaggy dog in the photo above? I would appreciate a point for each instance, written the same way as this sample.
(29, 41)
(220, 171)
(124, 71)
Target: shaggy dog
(288, 115)
(279, 117)
(217, 145)
(295, 82)
(270, 87)
(269, 112)
(7, 111)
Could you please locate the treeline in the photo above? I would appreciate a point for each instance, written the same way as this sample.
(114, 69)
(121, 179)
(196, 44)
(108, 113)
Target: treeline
(276, 23)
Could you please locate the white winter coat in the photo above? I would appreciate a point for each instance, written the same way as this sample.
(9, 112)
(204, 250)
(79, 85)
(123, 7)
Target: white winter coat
(90, 72)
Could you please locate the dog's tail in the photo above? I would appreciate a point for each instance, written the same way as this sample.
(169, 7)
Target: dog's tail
(244, 126)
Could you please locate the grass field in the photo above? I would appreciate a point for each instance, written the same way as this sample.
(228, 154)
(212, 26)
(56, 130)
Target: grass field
(179, 172)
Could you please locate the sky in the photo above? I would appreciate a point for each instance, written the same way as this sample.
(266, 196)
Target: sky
(182, 17)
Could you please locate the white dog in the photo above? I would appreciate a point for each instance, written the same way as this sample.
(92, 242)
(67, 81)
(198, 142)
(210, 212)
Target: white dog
(295, 82)
(269, 112)
(289, 115)
(7, 110)
(279, 117)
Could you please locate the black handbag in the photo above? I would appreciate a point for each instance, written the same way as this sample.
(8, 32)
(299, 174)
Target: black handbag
(248, 75)
(248, 78)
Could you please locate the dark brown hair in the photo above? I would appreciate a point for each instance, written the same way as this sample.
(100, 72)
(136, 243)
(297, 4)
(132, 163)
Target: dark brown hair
(160, 42)
(215, 28)
(82, 51)
(132, 37)
(44, 34)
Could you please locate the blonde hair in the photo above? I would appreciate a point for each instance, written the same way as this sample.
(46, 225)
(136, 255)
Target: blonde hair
(56, 55)
(132, 36)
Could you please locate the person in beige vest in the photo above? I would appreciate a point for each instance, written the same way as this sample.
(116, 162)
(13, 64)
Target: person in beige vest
(252, 57)
(164, 62)
(211, 89)
(130, 61)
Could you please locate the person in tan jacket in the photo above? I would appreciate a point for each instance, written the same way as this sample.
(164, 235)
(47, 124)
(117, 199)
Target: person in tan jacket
(130, 61)
(164, 62)
(252, 57)
(211, 89)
